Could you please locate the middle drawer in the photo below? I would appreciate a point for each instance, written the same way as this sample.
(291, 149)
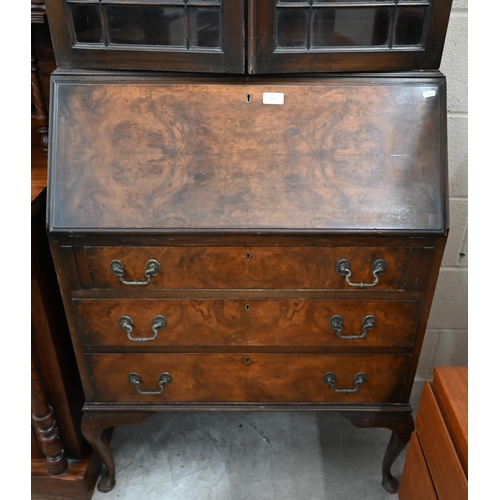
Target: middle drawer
(315, 323)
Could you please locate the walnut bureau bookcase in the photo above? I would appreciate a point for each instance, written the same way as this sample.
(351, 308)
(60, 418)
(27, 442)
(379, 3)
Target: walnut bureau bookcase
(256, 241)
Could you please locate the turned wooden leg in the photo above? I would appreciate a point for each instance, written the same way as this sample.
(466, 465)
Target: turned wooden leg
(45, 425)
(93, 425)
(402, 426)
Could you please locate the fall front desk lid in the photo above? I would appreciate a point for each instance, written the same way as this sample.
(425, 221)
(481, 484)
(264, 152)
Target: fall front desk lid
(166, 154)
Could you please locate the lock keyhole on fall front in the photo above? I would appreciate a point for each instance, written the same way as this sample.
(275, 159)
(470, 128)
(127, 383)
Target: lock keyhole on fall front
(247, 307)
(249, 256)
(249, 98)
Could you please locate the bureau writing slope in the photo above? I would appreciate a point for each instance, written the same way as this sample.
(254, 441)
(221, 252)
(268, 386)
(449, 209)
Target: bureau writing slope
(234, 244)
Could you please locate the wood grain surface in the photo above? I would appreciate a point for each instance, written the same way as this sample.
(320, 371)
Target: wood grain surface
(416, 482)
(251, 267)
(445, 466)
(246, 322)
(451, 384)
(246, 377)
(170, 156)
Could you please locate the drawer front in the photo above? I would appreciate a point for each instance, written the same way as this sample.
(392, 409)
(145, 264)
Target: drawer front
(250, 377)
(240, 267)
(246, 323)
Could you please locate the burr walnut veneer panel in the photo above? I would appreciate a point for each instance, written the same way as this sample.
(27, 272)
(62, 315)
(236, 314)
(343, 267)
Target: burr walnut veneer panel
(249, 267)
(245, 377)
(220, 323)
(352, 154)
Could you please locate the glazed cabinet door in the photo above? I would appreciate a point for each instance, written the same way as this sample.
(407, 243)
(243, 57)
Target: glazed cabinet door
(167, 35)
(293, 36)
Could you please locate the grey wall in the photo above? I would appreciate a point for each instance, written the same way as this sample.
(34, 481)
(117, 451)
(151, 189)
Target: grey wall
(446, 338)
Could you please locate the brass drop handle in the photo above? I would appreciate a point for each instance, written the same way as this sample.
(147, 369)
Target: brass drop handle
(337, 323)
(331, 380)
(152, 269)
(135, 380)
(379, 267)
(159, 323)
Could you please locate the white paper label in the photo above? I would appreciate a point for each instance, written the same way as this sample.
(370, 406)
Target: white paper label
(273, 98)
(429, 93)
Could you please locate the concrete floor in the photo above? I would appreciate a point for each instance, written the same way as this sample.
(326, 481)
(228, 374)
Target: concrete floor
(250, 456)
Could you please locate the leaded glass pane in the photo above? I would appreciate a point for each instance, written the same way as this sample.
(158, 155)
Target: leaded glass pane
(204, 27)
(146, 25)
(87, 23)
(291, 27)
(409, 25)
(350, 27)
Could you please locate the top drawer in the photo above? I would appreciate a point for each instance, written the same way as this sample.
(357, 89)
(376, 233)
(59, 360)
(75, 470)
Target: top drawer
(330, 268)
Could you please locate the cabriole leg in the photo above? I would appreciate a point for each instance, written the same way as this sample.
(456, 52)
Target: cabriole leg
(93, 425)
(396, 445)
(402, 425)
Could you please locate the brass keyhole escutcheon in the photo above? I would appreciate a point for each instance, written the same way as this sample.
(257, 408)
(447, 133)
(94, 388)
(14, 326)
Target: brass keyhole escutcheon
(248, 361)
(248, 256)
(247, 307)
(249, 98)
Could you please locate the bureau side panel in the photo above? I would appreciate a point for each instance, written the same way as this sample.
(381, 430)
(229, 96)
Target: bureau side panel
(66, 273)
(426, 285)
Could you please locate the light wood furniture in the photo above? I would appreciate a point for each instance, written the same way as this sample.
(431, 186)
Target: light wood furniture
(437, 461)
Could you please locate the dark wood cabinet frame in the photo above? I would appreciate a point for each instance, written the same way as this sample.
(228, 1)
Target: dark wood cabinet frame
(230, 59)
(264, 58)
(248, 38)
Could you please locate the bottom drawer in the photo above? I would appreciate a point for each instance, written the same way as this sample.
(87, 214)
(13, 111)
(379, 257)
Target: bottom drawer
(262, 378)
